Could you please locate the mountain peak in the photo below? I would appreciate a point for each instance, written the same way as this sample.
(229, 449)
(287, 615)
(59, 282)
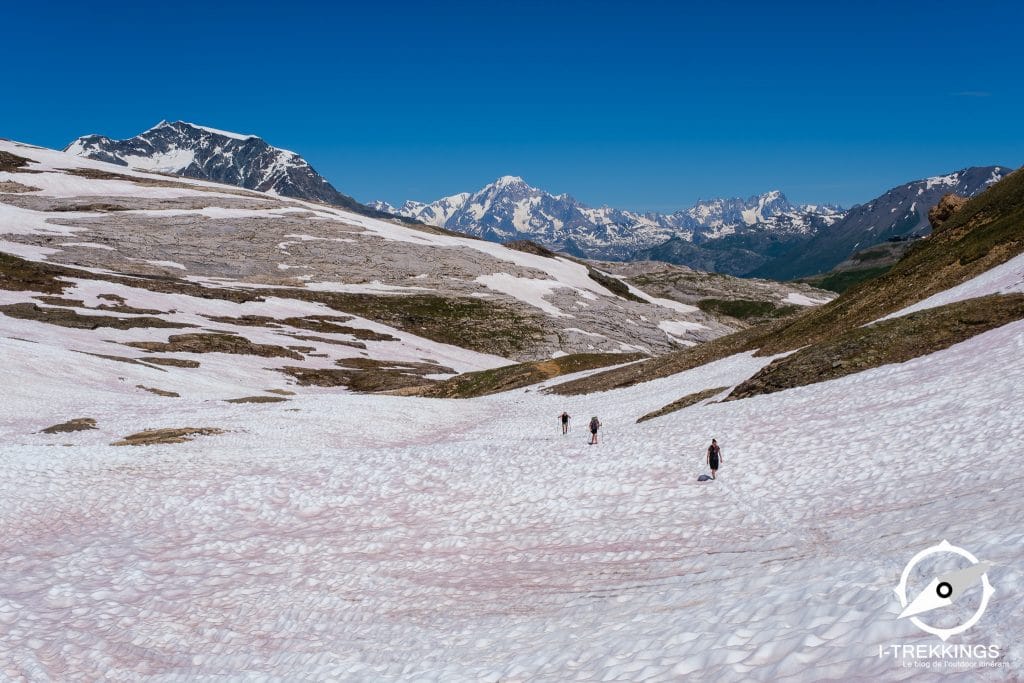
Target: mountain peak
(183, 126)
(206, 153)
(508, 181)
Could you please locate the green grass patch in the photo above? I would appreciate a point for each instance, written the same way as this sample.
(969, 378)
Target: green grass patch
(871, 255)
(745, 309)
(842, 280)
(896, 340)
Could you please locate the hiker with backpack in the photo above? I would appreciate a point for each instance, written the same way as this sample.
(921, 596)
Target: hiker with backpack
(564, 417)
(595, 424)
(714, 457)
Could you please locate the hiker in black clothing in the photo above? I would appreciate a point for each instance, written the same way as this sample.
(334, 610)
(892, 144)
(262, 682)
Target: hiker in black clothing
(564, 417)
(595, 424)
(714, 457)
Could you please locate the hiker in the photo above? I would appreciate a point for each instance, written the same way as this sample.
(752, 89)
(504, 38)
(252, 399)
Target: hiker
(714, 457)
(595, 424)
(564, 417)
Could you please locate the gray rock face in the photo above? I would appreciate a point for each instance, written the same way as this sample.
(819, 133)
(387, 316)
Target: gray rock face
(208, 154)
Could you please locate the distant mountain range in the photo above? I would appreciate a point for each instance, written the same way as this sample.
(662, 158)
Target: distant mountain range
(206, 153)
(764, 235)
(900, 212)
(510, 209)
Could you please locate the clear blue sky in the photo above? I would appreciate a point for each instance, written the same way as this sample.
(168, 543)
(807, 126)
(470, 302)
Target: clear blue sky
(640, 105)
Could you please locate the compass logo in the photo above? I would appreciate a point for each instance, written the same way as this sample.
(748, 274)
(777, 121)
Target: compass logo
(945, 589)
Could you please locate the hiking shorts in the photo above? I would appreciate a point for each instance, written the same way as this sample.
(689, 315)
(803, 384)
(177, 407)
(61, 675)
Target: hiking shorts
(713, 462)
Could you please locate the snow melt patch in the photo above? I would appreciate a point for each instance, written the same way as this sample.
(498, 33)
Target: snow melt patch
(527, 290)
(456, 540)
(679, 328)
(1007, 278)
(803, 300)
(171, 161)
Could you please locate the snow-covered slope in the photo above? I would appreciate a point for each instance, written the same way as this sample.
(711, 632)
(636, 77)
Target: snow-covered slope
(341, 536)
(510, 209)
(466, 292)
(207, 153)
(382, 538)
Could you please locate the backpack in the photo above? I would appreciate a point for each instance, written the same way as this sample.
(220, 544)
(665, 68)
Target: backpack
(594, 424)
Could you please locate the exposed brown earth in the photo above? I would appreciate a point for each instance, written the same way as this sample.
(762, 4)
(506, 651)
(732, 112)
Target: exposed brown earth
(159, 392)
(12, 162)
(174, 362)
(256, 399)
(152, 437)
(10, 186)
(484, 382)
(684, 402)
(67, 317)
(76, 425)
(367, 375)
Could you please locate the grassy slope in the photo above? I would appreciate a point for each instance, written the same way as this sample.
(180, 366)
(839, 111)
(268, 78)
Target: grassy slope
(986, 232)
(890, 341)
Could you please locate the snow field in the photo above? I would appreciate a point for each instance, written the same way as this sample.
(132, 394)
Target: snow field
(386, 538)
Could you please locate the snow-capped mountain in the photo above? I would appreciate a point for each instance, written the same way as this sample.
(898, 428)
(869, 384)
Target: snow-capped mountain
(206, 153)
(899, 212)
(511, 209)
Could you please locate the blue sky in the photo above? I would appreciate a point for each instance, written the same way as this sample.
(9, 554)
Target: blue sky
(639, 105)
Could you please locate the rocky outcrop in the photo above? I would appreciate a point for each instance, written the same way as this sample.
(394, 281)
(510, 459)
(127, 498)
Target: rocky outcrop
(944, 210)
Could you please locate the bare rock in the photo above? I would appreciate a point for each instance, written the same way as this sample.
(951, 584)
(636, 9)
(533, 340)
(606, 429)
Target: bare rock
(944, 210)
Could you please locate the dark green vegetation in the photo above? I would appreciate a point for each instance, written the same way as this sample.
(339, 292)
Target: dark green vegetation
(842, 280)
(474, 324)
(367, 375)
(510, 377)
(746, 309)
(890, 341)
(862, 266)
(684, 402)
(986, 232)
